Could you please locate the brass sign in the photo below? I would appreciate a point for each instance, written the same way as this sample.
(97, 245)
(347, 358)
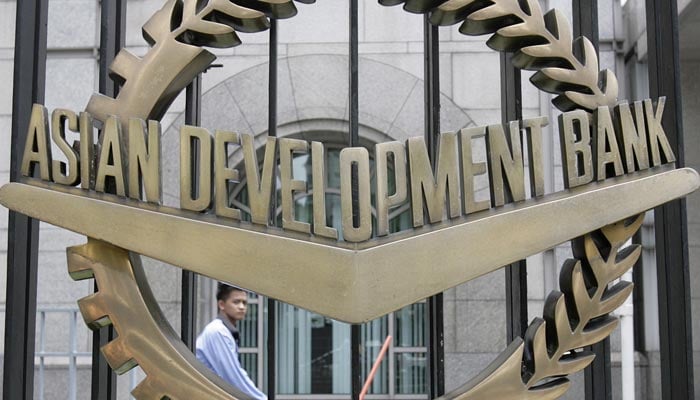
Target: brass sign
(617, 164)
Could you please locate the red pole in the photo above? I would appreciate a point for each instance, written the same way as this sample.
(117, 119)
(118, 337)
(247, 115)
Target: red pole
(375, 367)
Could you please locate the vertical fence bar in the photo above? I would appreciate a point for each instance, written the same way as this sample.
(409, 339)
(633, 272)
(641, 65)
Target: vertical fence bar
(112, 33)
(188, 308)
(598, 381)
(72, 362)
(670, 219)
(356, 348)
(42, 351)
(23, 232)
(638, 298)
(516, 273)
(271, 353)
(434, 315)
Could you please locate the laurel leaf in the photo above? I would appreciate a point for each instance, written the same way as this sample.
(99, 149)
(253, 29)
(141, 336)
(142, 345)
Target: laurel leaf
(538, 57)
(556, 23)
(572, 100)
(537, 354)
(455, 11)
(571, 364)
(621, 231)
(278, 9)
(574, 288)
(550, 390)
(160, 24)
(209, 28)
(496, 10)
(614, 298)
(589, 71)
(597, 330)
(556, 80)
(626, 258)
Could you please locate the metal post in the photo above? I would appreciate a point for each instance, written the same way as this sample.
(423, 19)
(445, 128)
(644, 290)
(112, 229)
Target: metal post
(598, 384)
(356, 348)
(271, 353)
(188, 309)
(638, 299)
(516, 273)
(112, 33)
(434, 315)
(23, 232)
(670, 219)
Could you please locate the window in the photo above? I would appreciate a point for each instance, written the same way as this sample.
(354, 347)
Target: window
(313, 352)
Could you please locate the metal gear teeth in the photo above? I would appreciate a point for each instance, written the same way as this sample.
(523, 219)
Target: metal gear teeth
(123, 63)
(148, 390)
(79, 268)
(171, 370)
(118, 355)
(94, 312)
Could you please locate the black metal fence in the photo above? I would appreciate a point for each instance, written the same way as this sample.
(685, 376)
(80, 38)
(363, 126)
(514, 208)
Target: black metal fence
(671, 242)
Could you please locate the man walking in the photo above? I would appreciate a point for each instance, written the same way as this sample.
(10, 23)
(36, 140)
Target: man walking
(217, 345)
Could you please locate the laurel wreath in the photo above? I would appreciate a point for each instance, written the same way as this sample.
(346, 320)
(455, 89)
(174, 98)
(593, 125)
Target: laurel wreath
(534, 367)
(578, 316)
(540, 42)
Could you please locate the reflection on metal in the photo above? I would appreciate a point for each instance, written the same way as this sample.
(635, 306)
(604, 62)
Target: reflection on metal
(577, 155)
(318, 160)
(384, 200)
(536, 367)
(223, 175)
(533, 128)
(37, 148)
(289, 185)
(109, 163)
(432, 187)
(144, 158)
(124, 300)
(351, 282)
(507, 173)
(195, 191)
(350, 159)
(65, 173)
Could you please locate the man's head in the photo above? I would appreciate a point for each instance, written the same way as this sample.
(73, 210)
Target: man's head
(232, 302)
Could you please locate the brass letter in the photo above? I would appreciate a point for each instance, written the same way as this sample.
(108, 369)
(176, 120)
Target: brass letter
(259, 190)
(471, 169)
(223, 174)
(605, 139)
(433, 187)
(36, 148)
(289, 185)
(110, 161)
(384, 201)
(87, 151)
(318, 168)
(577, 160)
(656, 133)
(360, 157)
(195, 198)
(633, 135)
(144, 161)
(533, 130)
(65, 174)
(506, 161)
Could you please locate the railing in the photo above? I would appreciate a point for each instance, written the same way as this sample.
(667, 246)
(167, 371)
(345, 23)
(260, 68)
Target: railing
(72, 355)
(71, 358)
